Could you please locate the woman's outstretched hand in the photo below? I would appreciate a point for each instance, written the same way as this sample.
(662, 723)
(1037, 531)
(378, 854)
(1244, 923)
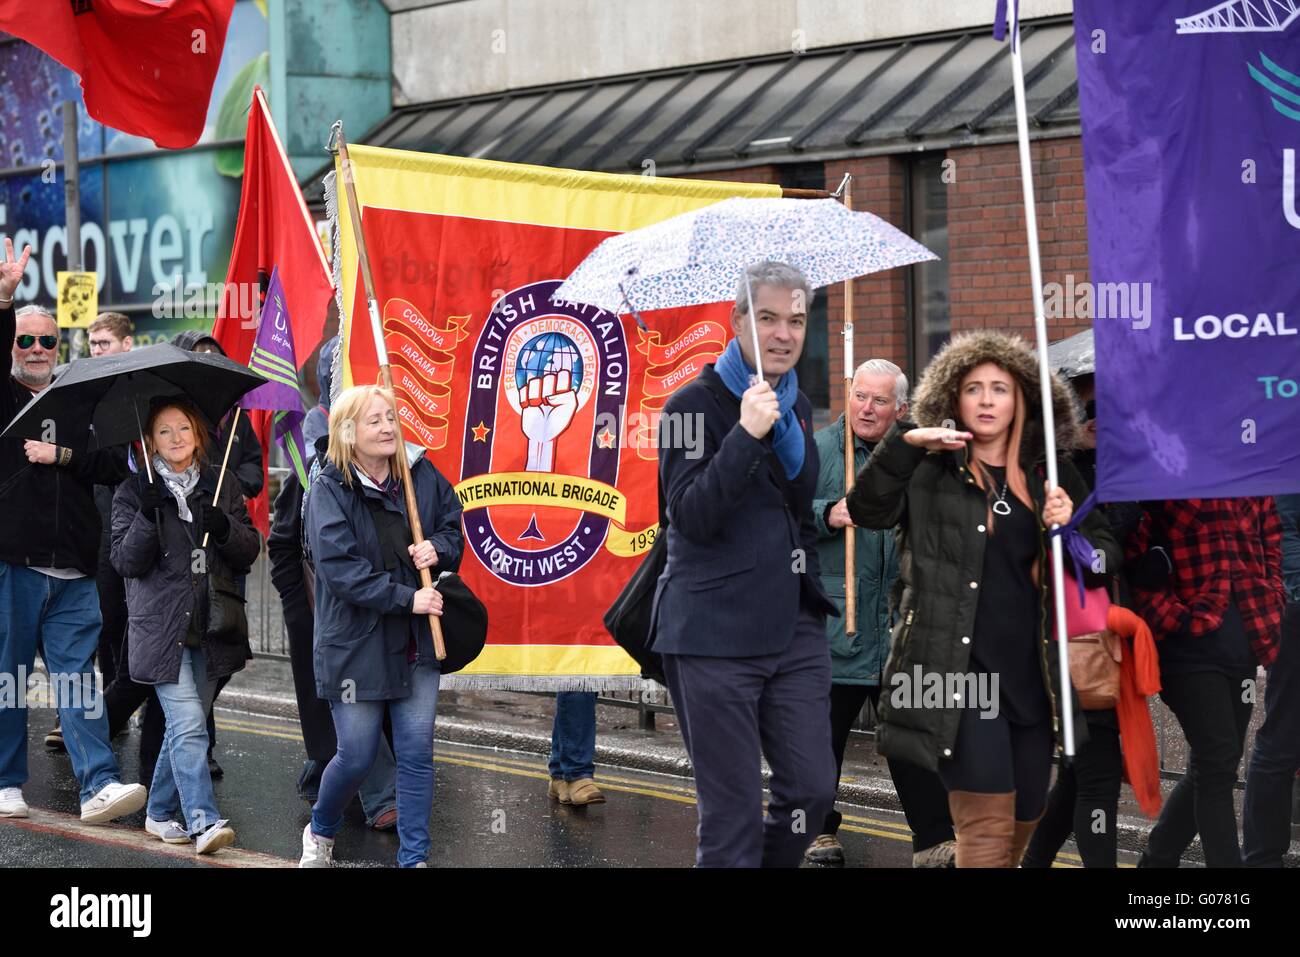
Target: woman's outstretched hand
(937, 439)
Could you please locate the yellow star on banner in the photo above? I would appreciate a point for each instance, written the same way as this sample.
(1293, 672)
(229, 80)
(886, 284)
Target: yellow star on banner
(480, 432)
(606, 439)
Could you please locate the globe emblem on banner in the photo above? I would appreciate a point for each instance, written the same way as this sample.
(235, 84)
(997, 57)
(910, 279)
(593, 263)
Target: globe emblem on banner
(550, 352)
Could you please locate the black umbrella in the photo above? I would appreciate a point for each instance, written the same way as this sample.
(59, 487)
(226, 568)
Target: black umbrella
(97, 403)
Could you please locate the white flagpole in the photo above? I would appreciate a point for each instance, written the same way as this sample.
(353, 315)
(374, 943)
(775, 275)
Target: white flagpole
(1044, 370)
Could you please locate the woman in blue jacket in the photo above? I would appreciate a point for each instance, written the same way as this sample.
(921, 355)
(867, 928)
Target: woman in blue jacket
(373, 646)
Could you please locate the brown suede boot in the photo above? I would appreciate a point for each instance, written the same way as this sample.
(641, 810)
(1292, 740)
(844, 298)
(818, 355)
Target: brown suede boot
(1024, 831)
(985, 826)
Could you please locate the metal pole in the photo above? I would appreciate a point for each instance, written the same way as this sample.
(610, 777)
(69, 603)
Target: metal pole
(71, 185)
(850, 537)
(1044, 371)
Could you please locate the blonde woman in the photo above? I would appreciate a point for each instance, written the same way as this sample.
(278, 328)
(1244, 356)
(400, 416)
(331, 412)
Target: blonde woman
(373, 646)
(967, 484)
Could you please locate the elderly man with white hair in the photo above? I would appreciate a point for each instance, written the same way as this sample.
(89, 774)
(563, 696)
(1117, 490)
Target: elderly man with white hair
(877, 397)
(49, 543)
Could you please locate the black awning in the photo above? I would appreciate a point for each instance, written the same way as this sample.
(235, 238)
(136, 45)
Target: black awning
(902, 95)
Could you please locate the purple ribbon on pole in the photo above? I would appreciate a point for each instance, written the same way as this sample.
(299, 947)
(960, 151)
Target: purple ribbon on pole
(1076, 546)
(1000, 22)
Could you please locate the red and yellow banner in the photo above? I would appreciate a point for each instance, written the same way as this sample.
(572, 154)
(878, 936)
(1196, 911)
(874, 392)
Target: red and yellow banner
(543, 415)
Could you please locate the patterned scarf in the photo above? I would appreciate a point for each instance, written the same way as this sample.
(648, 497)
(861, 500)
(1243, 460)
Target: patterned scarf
(180, 484)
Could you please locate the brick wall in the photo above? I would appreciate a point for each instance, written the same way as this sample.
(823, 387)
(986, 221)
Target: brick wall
(988, 264)
(988, 259)
(880, 300)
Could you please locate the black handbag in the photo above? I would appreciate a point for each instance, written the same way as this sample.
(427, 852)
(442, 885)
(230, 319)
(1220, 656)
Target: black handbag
(464, 623)
(628, 619)
(227, 620)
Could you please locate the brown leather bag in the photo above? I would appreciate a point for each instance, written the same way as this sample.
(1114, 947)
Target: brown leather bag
(1094, 651)
(1094, 669)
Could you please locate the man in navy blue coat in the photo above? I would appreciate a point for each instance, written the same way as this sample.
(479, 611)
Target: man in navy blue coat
(739, 610)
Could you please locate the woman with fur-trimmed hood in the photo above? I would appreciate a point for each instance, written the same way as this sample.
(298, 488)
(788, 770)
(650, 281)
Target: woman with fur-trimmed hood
(971, 687)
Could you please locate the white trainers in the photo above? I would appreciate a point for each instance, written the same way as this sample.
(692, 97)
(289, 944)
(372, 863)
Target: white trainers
(12, 803)
(316, 851)
(112, 801)
(169, 832)
(214, 838)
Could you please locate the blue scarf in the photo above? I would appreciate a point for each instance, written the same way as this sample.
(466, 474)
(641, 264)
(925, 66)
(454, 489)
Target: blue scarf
(787, 437)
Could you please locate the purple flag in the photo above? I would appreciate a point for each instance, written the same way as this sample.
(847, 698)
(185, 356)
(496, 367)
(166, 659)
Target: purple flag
(1191, 126)
(273, 356)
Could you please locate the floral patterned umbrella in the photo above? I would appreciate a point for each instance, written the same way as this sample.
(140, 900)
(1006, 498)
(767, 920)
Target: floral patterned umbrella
(699, 256)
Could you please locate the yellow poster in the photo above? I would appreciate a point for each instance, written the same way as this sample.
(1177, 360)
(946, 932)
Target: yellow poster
(78, 299)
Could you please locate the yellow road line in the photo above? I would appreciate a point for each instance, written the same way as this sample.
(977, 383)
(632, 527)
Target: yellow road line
(522, 767)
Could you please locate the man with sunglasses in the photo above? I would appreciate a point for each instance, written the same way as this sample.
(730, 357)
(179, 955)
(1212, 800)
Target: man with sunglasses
(49, 541)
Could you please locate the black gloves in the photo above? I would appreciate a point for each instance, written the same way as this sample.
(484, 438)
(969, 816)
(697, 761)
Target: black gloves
(152, 495)
(215, 522)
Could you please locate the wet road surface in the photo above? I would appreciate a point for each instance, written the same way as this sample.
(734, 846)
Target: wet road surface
(490, 810)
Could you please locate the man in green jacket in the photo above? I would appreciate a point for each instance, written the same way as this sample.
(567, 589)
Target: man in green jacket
(877, 397)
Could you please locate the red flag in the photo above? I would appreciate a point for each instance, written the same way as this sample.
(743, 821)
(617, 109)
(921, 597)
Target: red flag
(146, 66)
(274, 231)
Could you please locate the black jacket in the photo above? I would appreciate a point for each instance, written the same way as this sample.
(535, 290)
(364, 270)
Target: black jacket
(163, 591)
(741, 557)
(941, 514)
(50, 519)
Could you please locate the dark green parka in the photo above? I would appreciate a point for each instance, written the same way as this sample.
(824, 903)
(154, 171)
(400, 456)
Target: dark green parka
(859, 658)
(942, 514)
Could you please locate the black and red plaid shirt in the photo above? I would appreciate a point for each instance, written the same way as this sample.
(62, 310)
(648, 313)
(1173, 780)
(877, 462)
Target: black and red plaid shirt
(1221, 549)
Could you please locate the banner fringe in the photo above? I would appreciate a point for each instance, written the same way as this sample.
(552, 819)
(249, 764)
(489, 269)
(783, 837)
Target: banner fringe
(597, 683)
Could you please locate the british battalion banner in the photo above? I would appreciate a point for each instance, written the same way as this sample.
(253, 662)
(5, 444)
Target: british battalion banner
(542, 414)
(1191, 128)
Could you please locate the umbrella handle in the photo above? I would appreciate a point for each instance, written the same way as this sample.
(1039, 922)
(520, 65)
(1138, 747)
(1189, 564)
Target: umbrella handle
(753, 327)
(148, 471)
(230, 439)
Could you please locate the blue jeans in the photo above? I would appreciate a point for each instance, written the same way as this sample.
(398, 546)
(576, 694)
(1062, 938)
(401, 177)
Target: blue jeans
(1266, 813)
(359, 726)
(378, 792)
(573, 736)
(64, 616)
(181, 782)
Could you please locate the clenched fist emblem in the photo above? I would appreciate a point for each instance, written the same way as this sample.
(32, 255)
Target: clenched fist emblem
(547, 404)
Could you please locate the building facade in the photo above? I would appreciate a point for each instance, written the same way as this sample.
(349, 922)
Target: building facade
(912, 97)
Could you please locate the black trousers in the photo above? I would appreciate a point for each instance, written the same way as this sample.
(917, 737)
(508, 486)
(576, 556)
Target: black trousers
(1214, 718)
(996, 756)
(314, 714)
(1084, 801)
(112, 608)
(924, 800)
(121, 699)
(1266, 816)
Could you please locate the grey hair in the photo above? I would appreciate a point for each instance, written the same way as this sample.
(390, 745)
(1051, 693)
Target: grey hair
(885, 367)
(32, 310)
(771, 273)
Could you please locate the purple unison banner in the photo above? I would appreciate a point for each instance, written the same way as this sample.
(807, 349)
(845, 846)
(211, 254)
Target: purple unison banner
(1191, 130)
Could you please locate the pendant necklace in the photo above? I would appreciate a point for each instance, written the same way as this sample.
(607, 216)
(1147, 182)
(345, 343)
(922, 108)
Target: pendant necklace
(1000, 507)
